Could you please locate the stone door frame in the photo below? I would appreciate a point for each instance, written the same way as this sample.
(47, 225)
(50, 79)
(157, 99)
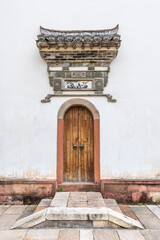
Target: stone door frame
(60, 136)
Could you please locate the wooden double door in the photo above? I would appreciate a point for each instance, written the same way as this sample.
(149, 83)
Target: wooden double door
(78, 145)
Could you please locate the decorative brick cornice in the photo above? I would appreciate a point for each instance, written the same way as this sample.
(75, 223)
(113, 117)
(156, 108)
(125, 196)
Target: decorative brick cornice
(78, 39)
(78, 60)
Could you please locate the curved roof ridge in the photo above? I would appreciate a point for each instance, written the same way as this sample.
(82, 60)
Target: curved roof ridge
(43, 30)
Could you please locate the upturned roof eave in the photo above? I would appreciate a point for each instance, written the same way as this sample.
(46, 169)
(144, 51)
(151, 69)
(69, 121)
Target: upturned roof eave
(78, 31)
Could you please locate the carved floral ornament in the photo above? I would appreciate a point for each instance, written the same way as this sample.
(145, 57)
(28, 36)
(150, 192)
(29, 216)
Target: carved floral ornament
(78, 62)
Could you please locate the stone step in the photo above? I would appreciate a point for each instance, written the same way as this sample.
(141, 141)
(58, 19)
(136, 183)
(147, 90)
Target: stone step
(78, 199)
(98, 217)
(77, 209)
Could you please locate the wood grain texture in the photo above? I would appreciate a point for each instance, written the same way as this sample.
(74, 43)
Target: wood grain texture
(78, 129)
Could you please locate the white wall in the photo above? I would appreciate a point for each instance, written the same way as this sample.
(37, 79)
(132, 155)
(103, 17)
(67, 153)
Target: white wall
(130, 129)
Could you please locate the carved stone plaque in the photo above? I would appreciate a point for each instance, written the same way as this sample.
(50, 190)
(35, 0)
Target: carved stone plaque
(78, 74)
(77, 85)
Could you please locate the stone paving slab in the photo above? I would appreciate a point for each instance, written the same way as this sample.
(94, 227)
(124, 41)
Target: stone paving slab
(105, 235)
(112, 204)
(126, 210)
(155, 210)
(86, 235)
(39, 209)
(151, 234)
(28, 211)
(31, 220)
(3, 208)
(42, 234)
(77, 204)
(16, 209)
(59, 203)
(45, 203)
(62, 195)
(79, 234)
(94, 195)
(69, 235)
(146, 217)
(130, 235)
(60, 199)
(7, 220)
(13, 235)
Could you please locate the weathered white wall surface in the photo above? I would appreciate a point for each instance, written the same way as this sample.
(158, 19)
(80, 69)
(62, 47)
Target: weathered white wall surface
(130, 129)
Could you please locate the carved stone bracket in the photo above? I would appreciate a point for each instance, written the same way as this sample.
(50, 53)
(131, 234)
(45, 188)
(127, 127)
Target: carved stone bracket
(49, 96)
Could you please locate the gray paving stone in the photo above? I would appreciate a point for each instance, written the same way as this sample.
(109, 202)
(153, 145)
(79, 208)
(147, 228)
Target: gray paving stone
(146, 217)
(130, 235)
(69, 234)
(62, 195)
(105, 235)
(7, 220)
(110, 201)
(78, 195)
(31, 220)
(44, 203)
(42, 234)
(28, 211)
(155, 210)
(59, 203)
(96, 202)
(3, 208)
(94, 195)
(12, 235)
(77, 204)
(151, 234)
(112, 204)
(60, 199)
(16, 209)
(86, 235)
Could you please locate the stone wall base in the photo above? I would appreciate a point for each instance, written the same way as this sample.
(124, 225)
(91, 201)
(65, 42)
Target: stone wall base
(79, 187)
(26, 191)
(131, 191)
(123, 191)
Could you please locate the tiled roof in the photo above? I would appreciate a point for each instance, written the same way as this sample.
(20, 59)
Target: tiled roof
(97, 36)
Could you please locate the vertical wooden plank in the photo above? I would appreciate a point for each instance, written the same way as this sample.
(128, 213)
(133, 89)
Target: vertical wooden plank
(88, 146)
(96, 150)
(90, 159)
(79, 140)
(73, 142)
(60, 153)
(75, 151)
(85, 141)
(81, 125)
